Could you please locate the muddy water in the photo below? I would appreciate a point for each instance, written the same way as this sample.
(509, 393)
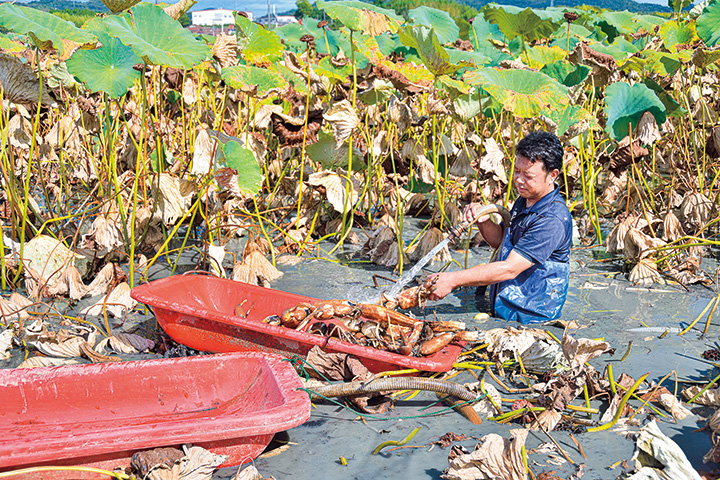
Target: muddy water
(600, 299)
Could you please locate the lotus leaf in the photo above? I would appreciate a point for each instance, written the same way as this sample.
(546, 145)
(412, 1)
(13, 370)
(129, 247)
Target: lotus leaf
(326, 40)
(336, 74)
(620, 49)
(330, 156)
(361, 17)
(258, 45)
(466, 107)
(9, 45)
(672, 108)
(539, 56)
(481, 31)
(676, 33)
(454, 87)
(625, 104)
(565, 73)
(472, 59)
(708, 24)
(523, 92)
(432, 54)
(47, 31)
(702, 58)
(570, 117)
(248, 77)
(678, 5)
(658, 63)
(157, 38)
(445, 27)
(243, 161)
(526, 25)
(107, 69)
(378, 92)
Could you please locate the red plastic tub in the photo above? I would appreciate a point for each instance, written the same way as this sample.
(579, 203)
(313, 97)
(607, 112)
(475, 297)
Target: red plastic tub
(199, 311)
(98, 415)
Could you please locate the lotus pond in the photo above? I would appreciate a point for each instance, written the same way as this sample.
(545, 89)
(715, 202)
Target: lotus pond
(310, 157)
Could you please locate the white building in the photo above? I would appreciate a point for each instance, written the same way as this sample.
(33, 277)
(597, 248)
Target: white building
(215, 16)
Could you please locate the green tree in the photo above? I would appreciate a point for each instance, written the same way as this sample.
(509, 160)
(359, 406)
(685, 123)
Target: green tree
(305, 9)
(184, 20)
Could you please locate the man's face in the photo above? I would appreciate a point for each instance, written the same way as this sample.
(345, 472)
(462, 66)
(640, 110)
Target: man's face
(531, 180)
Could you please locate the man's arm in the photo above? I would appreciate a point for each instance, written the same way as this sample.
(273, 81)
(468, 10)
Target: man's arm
(491, 232)
(478, 275)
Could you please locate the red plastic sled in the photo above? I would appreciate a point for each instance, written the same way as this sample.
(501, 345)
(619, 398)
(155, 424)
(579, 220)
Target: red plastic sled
(98, 415)
(199, 311)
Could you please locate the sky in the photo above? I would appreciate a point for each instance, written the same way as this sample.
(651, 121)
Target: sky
(259, 7)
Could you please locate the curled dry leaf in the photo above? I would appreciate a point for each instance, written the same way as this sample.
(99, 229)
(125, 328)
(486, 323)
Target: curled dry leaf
(382, 247)
(496, 457)
(430, 239)
(261, 268)
(38, 361)
(10, 310)
(110, 275)
(20, 132)
(225, 50)
(103, 237)
(248, 473)
(492, 161)
(547, 420)
(670, 403)
(485, 406)
(343, 120)
(335, 189)
(638, 245)
(509, 342)
(462, 166)
(647, 129)
(197, 464)
(710, 397)
(72, 347)
(6, 342)
(173, 196)
(117, 303)
(579, 351)
(291, 130)
(657, 456)
(672, 229)
(713, 422)
(70, 283)
(216, 256)
(645, 273)
(696, 209)
(125, 343)
(20, 84)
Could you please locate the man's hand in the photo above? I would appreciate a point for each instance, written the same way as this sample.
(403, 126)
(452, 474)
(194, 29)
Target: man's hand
(443, 286)
(471, 211)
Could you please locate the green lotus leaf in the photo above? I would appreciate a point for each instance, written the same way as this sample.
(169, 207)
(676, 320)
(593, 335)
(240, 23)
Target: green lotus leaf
(566, 73)
(243, 161)
(326, 40)
(336, 74)
(258, 45)
(676, 33)
(58, 75)
(466, 107)
(523, 92)
(678, 5)
(47, 31)
(571, 116)
(620, 49)
(626, 23)
(708, 24)
(472, 59)
(248, 77)
(576, 31)
(361, 16)
(672, 108)
(425, 42)
(526, 24)
(156, 37)
(539, 56)
(481, 31)
(378, 92)
(625, 104)
(107, 69)
(8, 45)
(445, 27)
(454, 87)
(325, 152)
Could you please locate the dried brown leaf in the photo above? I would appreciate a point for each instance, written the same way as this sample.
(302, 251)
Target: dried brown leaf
(125, 343)
(579, 351)
(39, 361)
(117, 303)
(20, 84)
(495, 458)
(173, 196)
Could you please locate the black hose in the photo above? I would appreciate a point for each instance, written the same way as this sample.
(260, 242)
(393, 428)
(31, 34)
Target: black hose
(396, 383)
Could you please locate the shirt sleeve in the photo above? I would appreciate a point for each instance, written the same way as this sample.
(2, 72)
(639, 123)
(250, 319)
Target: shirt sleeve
(541, 239)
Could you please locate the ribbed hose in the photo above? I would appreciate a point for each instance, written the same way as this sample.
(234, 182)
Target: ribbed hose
(396, 383)
(484, 210)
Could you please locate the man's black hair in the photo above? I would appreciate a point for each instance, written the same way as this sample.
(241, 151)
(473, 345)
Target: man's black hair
(541, 146)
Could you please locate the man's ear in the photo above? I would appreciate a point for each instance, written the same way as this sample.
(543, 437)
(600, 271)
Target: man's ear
(554, 174)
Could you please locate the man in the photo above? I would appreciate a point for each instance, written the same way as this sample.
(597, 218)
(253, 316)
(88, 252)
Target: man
(529, 280)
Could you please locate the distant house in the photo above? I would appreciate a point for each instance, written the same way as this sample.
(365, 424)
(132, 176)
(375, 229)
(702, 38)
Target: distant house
(277, 20)
(215, 16)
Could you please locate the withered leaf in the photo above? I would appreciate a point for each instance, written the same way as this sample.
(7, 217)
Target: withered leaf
(290, 131)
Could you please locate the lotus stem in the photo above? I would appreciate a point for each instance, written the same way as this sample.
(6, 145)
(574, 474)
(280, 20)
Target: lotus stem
(712, 382)
(396, 443)
(620, 407)
(692, 324)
